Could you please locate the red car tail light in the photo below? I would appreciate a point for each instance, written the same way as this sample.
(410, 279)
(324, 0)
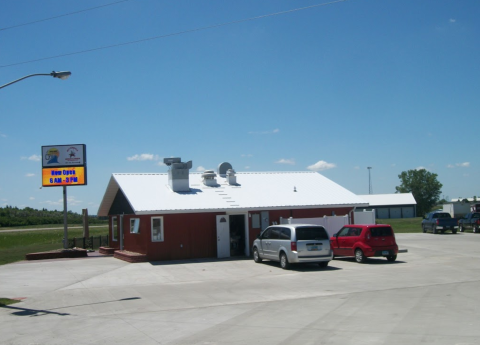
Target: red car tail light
(293, 246)
(437, 221)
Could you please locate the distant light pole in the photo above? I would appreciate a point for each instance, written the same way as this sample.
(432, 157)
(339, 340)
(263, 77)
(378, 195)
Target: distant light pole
(370, 191)
(60, 75)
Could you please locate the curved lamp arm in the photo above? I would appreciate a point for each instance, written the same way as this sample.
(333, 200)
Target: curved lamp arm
(59, 75)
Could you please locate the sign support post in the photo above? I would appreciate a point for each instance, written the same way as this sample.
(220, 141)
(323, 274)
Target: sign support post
(64, 165)
(65, 227)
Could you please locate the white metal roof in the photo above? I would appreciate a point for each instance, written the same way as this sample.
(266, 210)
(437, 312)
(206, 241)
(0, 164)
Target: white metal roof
(389, 199)
(150, 193)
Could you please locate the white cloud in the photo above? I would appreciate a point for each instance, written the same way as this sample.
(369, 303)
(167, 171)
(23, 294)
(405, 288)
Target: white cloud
(321, 165)
(461, 165)
(144, 157)
(452, 20)
(200, 169)
(356, 167)
(247, 155)
(247, 167)
(273, 131)
(35, 158)
(31, 198)
(30, 175)
(71, 201)
(3, 135)
(53, 203)
(286, 161)
(420, 168)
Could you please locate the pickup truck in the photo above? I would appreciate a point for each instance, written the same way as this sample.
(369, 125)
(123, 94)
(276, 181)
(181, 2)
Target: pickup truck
(470, 221)
(439, 222)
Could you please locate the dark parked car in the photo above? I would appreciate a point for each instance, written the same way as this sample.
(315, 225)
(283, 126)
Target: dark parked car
(439, 222)
(470, 221)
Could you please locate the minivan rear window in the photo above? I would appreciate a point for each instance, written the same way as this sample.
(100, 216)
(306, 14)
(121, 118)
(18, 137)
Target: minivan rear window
(311, 233)
(381, 231)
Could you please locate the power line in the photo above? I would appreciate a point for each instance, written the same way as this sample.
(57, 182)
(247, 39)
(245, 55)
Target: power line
(172, 34)
(62, 15)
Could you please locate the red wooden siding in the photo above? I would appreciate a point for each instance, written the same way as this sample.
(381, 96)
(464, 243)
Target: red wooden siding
(194, 235)
(186, 236)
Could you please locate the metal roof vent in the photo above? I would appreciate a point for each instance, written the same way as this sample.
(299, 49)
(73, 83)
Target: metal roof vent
(209, 178)
(178, 177)
(231, 178)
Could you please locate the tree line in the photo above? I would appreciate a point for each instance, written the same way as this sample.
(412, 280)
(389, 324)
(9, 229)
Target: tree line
(14, 216)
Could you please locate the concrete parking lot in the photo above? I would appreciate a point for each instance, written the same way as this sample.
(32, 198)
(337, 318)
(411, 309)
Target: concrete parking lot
(431, 295)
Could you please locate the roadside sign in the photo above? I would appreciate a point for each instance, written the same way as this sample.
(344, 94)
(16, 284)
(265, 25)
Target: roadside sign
(64, 165)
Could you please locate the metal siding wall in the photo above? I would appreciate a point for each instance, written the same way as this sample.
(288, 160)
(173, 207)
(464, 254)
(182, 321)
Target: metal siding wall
(407, 212)
(382, 213)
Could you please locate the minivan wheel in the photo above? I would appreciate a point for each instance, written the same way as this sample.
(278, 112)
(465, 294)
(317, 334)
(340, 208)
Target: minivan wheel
(391, 258)
(475, 228)
(256, 256)
(323, 264)
(460, 228)
(284, 261)
(359, 256)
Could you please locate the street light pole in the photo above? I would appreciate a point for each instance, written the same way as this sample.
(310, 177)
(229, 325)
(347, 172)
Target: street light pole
(369, 181)
(60, 75)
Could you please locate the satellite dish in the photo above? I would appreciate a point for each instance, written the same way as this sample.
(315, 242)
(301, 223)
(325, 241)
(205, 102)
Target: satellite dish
(223, 167)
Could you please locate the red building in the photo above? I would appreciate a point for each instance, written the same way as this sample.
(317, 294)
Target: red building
(183, 215)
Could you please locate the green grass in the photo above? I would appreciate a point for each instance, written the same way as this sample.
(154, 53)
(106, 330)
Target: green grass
(48, 226)
(404, 225)
(7, 301)
(14, 245)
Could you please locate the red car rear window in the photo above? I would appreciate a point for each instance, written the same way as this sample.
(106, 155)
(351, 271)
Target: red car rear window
(381, 231)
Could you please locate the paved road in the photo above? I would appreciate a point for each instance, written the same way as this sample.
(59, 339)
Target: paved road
(57, 228)
(429, 296)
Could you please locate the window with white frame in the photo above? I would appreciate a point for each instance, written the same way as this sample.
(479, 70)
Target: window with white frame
(157, 229)
(134, 225)
(114, 228)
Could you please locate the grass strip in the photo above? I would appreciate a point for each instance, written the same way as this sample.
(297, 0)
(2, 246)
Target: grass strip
(7, 301)
(15, 245)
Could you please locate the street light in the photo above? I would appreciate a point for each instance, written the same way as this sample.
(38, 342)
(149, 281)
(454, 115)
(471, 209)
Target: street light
(60, 75)
(370, 191)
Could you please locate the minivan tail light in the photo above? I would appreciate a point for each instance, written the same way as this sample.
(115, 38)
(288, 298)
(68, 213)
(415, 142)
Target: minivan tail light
(293, 246)
(438, 222)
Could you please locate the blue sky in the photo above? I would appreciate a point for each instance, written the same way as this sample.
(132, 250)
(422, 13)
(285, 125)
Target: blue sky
(393, 85)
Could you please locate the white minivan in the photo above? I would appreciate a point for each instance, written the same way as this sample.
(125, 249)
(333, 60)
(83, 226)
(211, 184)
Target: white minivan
(293, 243)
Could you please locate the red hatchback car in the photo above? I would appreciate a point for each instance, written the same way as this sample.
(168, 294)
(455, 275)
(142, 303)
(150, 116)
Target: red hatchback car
(363, 241)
